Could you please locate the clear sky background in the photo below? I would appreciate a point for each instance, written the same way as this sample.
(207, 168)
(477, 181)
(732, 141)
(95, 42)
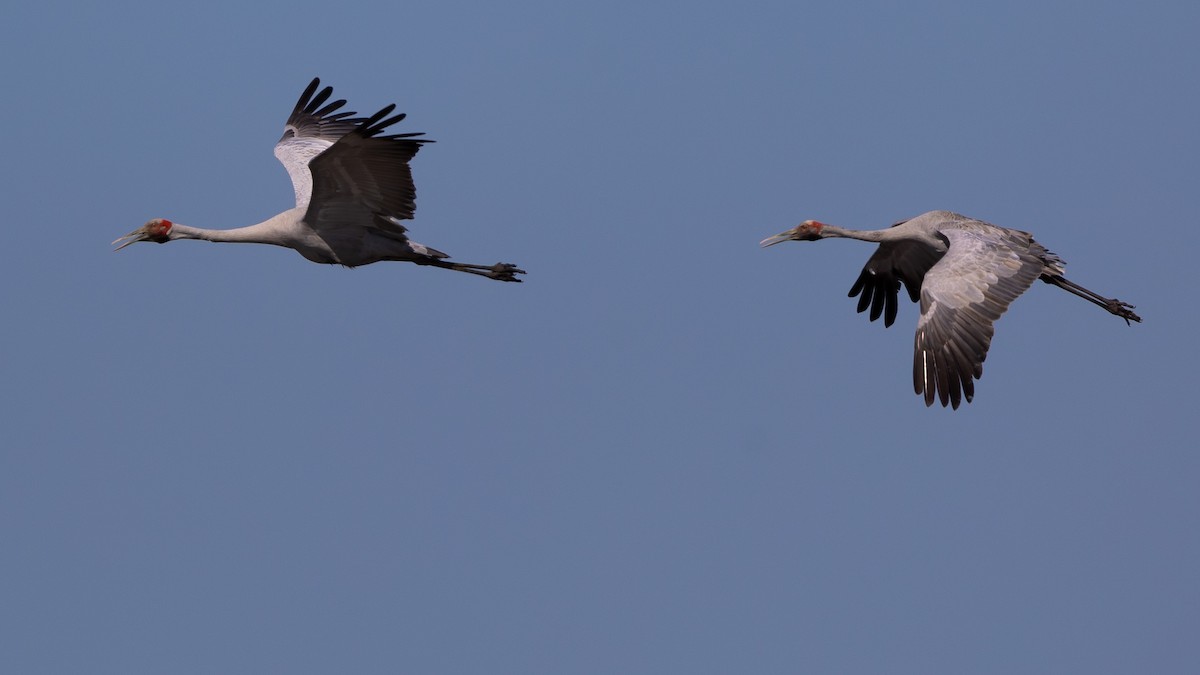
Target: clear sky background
(669, 451)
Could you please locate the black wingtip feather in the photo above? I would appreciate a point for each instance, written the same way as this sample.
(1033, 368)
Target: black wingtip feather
(318, 100)
(877, 303)
(390, 121)
(308, 91)
(374, 119)
(330, 108)
(914, 292)
(859, 283)
(864, 301)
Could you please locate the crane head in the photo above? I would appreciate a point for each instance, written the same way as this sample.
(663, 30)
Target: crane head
(809, 230)
(157, 230)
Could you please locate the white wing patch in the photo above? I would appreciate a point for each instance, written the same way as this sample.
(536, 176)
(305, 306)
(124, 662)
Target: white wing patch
(295, 153)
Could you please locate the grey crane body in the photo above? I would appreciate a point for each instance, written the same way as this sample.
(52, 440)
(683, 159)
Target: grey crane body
(964, 273)
(290, 230)
(353, 189)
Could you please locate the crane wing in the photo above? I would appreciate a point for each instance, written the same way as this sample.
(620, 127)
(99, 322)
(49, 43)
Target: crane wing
(310, 130)
(962, 295)
(363, 181)
(905, 261)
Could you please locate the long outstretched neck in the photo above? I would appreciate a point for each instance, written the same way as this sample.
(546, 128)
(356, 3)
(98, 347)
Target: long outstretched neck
(832, 231)
(907, 231)
(812, 230)
(269, 232)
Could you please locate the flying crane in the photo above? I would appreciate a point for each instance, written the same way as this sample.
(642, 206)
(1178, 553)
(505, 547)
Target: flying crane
(965, 273)
(353, 190)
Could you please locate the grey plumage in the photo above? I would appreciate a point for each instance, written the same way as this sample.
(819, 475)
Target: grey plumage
(965, 273)
(353, 189)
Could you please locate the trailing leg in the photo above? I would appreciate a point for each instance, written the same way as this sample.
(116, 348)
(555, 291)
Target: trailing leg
(499, 271)
(1112, 305)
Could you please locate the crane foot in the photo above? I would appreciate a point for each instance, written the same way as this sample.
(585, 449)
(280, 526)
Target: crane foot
(1123, 310)
(504, 272)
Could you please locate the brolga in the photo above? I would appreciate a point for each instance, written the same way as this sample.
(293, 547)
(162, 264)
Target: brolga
(965, 273)
(353, 189)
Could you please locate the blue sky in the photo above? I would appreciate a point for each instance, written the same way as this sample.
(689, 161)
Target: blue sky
(669, 451)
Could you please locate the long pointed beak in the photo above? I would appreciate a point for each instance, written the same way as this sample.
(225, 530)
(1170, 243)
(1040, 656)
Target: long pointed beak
(131, 238)
(775, 239)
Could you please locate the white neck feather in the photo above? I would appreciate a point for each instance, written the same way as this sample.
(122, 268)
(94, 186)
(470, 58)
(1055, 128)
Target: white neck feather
(279, 230)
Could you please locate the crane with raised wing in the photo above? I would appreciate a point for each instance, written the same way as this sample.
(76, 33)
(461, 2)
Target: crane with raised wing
(353, 189)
